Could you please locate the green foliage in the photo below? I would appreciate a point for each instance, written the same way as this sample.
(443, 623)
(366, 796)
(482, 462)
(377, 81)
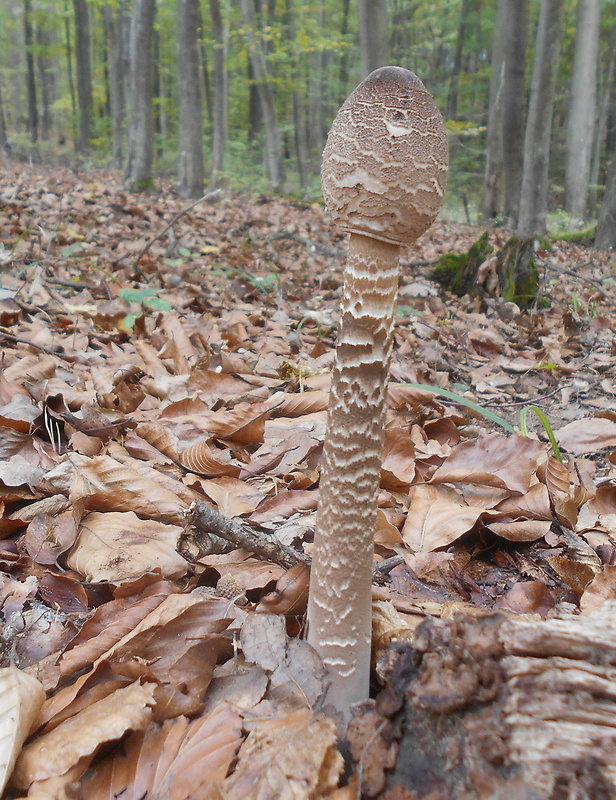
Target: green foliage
(148, 300)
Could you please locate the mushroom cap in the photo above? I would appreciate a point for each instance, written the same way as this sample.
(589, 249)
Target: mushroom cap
(384, 169)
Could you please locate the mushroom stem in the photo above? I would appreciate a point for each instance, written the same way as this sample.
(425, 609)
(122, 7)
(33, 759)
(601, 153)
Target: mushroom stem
(339, 610)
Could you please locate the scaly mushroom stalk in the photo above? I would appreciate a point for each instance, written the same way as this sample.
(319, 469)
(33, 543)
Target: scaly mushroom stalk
(384, 174)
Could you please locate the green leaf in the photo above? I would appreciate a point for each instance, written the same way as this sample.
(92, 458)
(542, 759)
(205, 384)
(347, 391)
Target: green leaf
(157, 304)
(546, 425)
(137, 295)
(464, 402)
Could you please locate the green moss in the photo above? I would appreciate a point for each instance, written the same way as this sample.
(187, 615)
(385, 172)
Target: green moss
(457, 271)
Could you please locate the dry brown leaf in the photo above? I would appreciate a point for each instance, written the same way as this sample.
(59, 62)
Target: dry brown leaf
(56, 752)
(525, 530)
(21, 697)
(104, 484)
(300, 763)
(493, 459)
(601, 588)
(437, 516)
(119, 546)
(587, 435)
(204, 460)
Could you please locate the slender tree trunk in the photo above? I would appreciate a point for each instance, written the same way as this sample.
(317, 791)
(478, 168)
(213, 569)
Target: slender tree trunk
(84, 73)
(373, 42)
(30, 73)
(582, 107)
(69, 69)
(4, 142)
(608, 92)
(219, 121)
(605, 238)
(299, 131)
(534, 192)
(274, 160)
(43, 40)
(191, 171)
(504, 152)
(452, 95)
(116, 28)
(138, 172)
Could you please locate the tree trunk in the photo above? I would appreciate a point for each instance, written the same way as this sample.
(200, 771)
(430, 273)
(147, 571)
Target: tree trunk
(219, 123)
(138, 172)
(45, 73)
(452, 95)
(274, 160)
(582, 107)
(373, 42)
(605, 238)
(503, 173)
(608, 94)
(299, 130)
(30, 73)
(488, 707)
(84, 74)
(116, 29)
(4, 142)
(69, 69)
(191, 170)
(534, 192)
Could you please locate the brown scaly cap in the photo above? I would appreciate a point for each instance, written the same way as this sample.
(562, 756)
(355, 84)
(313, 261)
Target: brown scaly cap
(385, 163)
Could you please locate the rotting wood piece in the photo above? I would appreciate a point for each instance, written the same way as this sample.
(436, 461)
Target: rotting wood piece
(497, 707)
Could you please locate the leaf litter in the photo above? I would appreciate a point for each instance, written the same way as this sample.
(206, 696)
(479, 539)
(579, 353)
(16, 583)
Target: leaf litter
(156, 661)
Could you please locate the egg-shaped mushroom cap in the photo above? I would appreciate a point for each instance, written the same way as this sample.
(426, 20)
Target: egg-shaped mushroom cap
(384, 169)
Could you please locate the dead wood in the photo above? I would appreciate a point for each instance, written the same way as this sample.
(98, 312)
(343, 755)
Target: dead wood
(497, 707)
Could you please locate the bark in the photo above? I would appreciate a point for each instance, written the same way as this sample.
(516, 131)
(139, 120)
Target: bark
(219, 122)
(138, 172)
(607, 94)
(116, 30)
(84, 73)
(503, 173)
(582, 107)
(30, 73)
(605, 238)
(274, 160)
(191, 170)
(534, 191)
(495, 708)
(373, 42)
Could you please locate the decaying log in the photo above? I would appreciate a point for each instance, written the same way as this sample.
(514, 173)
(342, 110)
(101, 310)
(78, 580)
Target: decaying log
(502, 708)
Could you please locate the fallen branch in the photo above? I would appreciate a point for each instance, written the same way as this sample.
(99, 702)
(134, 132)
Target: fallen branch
(209, 532)
(215, 533)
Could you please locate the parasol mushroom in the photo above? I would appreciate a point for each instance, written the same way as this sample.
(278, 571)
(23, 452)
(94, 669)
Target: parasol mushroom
(384, 174)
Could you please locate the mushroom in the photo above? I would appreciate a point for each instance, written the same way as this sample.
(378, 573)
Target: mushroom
(383, 176)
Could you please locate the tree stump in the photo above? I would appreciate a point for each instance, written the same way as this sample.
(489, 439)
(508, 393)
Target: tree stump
(489, 707)
(510, 273)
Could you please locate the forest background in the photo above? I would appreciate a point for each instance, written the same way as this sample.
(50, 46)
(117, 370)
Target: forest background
(243, 93)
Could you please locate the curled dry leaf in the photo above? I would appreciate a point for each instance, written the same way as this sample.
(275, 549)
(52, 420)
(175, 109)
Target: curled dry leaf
(21, 697)
(290, 597)
(179, 760)
(56, 752)
(119, 546)
(202, 459)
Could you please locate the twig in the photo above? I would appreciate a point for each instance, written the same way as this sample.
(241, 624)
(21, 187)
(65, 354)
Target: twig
(210, 524)
(212, 532)
(160, 234)
(573, 274)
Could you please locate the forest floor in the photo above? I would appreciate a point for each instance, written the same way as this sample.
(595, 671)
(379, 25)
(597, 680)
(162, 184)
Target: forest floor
(147, 365)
